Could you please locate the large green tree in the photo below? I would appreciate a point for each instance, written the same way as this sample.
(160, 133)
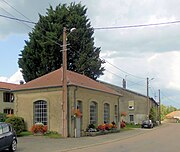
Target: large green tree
(42, 52)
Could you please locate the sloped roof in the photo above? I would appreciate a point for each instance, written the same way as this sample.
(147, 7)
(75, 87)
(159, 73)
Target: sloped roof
(7, 86)
(54, 79)
(120, 89)
(174, 114)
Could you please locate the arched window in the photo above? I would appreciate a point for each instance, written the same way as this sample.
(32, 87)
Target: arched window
(79, 106)
(116, 114)
(106, 112)
(40, 112)
(93, 113)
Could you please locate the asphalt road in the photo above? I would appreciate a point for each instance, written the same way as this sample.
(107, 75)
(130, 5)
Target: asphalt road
(159, 139)
(163, 139)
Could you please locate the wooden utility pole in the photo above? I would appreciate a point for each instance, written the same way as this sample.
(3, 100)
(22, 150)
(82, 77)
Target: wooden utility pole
(64, 102)
(148, 98)
(159, 107)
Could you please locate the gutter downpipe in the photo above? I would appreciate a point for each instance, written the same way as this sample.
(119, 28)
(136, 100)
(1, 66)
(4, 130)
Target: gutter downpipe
(119, 113)
(75, 105)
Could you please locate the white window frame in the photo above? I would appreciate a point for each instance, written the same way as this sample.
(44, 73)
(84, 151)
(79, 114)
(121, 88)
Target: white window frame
(41, 112)
(131, 105)
(93, 119)
(106, 112)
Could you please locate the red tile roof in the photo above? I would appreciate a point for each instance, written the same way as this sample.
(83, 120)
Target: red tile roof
(7, 86)
(54, 79)
(174, 114)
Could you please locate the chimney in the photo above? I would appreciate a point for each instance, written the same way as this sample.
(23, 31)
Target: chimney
(21, 82)
(124, 83)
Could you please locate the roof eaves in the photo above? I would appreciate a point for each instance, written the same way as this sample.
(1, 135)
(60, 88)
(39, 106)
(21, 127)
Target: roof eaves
(117, 94)
(5, 89)
(37, 88)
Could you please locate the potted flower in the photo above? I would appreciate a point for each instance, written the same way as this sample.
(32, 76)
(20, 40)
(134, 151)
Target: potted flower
(77, 113)
(39, 129)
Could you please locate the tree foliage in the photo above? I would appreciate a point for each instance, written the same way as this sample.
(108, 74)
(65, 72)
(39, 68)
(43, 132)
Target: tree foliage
(42, 52)
(166, 110)
(153, 114)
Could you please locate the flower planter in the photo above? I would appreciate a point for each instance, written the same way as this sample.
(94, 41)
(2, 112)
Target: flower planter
(91, 133)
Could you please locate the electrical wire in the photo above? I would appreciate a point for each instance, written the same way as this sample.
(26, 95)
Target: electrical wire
(18, 11)
(167, 97)
(20, 20)
(14, 18)
(136, 26)
(133, 83)
(110, 27)
(17, 19)
(137, 83)
(122, 70)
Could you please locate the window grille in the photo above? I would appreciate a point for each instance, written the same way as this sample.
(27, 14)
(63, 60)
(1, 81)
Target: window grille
(93, 113)
(40, 112)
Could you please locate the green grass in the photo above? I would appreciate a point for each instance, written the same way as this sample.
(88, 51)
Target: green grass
(53, 134)
(25, 133)
(131, 126)
(49, 134)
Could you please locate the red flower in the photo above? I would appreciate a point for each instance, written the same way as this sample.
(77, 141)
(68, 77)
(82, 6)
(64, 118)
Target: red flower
(101, 127)
(39, 128)
(77, 113)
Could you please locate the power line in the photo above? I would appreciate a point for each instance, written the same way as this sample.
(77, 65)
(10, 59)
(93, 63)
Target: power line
(16, 10)
(171, 100)
(17, 19)
(136, 83)
(122, 70)
(132, 83)
(114, 74)
(136, 26)
(105, 28)
(20, 20)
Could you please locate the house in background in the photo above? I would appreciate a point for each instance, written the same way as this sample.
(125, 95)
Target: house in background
(6, 97)
(172, 117)
(41, 100)
(134, 106)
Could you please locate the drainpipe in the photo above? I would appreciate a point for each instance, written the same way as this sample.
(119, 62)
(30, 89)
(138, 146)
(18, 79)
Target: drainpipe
(119, 113)
(74, 109)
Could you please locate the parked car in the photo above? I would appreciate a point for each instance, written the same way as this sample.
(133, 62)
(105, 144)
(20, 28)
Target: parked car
(147, 124)
(8, 139)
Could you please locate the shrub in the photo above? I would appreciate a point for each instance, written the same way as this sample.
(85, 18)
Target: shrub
(3, 117)
(17, 123)
(91, 128)
(39, 128)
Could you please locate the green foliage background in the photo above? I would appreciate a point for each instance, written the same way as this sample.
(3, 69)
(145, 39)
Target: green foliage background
(42, 52)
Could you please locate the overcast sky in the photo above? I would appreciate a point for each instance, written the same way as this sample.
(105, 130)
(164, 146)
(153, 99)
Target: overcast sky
(132, 53)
